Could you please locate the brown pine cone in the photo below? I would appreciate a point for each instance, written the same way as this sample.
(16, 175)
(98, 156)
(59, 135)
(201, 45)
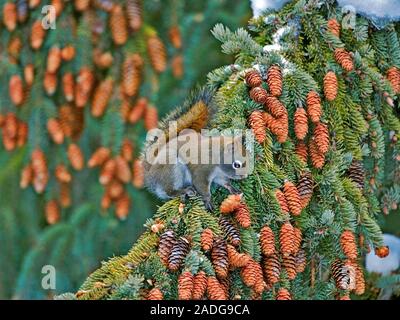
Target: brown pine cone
(359, 286)
(258, 94)
(275, 107)
(321, 137)
(16, 90)
(101, 97)
(274, 80)
(278, 126)
(253, 78)
(68, 52)
(298, 238)
(52, 212)
(65, 195)
(314, 108)
(75, 157)
(219, 257)
(230, 230)
(10, 16)
(131, 75)
(26, 176)
(272, 269)
(101, 155)
(122, 170)
(68, 84)
(292, 197)
(22, 134)
(53, 60)
(267, 241)
(393, 75)
(81, 5)
(356, 173)
(301, 261)
(302, 151)
(84, 86)
(55, 131)
(134, 13)
(317, 158)
(348, 244)
(150, 118)
(344, 59)
(344, 275)
(382, 252)
(289, 263)
(305, 187)
(29, 74)
(118, 25)
(175, 36)
(283, 294)
(178, 253)
(287, 238)
(330, 86)
(257, 125)
(37, 35)
(251, 273)
(177, 66)
(157, 53)
(138, 110)
(50, 82)
(242, 215)
(300, 123)
(127, 149)
(199, 285)
(231, 203)
(207, 238)
(185, 286)
(236, 259)
(107, 171)
(166, 242)
(155, 294)
(334, 27)
(115, 189)
(137, 174)
(282, 201)
(62, 174)
(215, 290)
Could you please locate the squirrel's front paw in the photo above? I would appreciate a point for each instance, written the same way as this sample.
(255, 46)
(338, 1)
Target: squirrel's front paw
(209, 206)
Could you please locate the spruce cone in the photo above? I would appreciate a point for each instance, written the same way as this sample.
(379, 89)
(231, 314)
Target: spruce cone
(68, 85)
(359, 286)
(334, 27)
(314, 109)
(344, 59)
(150, 118)
(278, 126)
(122, 170)
(155, 294)
(53, 60)
(382, 252)
(230, 230)
(289, 263)
(257, 124)
(287, 238)
(10, 16)
(40, 173)
(275, 107)
(267, 241)
(274, 80)
(68, 53)
(29, 74)
(101, 97)
(300, 123)
(393, 75)
(301, 261)
(37, 35)
(272, 269)
(65, 195)
(305, 187)
(131, 75)
(134, 13)
(107, 171)
(22, 133)
(138, 110)
(166, 242)
(122, 206)
(83, 87)
(75, 157)
(138, 174)
(199, 285)
(242, 216)
(207, 239)
(101, 155)
(252, 274)
(157, 53)
(215, 290)
(52, 212)
(55, 131)
(356, 173)
(185, 286)
(178, 253)
(118, 25)
(81, 5)
(302, 151)
(344, 275)
(258, 94)
(175, 36)
(177, 66)
(231, 203)
(62, 174)
(16, 90)
(283, 294)
(348, 244)
(321, 137)
(330, 86)
(127, 149)
(282, 201)
(26, 176)
(298, 237)
(50, 83)
(236, 259)
(317, 158)
(219, 256)
(253, 78)
(292, 197)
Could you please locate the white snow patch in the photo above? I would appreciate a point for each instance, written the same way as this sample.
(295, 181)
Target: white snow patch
(386, 265)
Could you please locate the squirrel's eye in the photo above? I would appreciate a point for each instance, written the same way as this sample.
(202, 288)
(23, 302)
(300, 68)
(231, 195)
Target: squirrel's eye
(236, 164)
